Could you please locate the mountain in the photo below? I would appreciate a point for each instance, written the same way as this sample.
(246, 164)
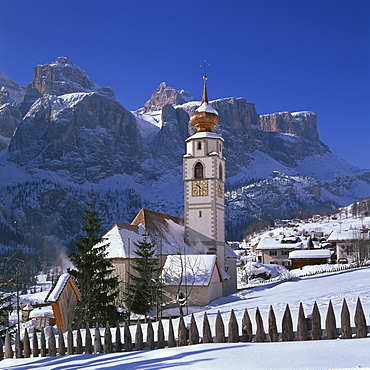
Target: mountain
(71, 133)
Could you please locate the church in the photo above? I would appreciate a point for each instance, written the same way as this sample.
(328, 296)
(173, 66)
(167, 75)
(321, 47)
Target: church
(195, 261)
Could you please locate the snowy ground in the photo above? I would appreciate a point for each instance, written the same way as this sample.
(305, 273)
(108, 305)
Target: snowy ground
(331, 354)
(328, 354)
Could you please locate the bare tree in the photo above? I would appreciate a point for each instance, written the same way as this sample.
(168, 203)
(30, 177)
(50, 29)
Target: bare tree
(183, 277)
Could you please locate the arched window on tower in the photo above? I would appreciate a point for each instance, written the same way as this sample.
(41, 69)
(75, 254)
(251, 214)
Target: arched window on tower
(199, 145)
(220, 172)
(198, 171)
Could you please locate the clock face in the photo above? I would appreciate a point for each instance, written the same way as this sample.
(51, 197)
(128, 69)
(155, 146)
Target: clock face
(199, 188)
(220, 189)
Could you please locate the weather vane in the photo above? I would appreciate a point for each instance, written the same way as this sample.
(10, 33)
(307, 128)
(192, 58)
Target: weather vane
(205, 65)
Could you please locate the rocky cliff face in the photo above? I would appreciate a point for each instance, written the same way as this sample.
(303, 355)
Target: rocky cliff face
(81, 137)
(74, 133)
(10, 117)
(165, 94)
(299, 123)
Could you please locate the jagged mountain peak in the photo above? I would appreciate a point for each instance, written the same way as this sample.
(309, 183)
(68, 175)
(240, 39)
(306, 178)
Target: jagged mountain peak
(166, 94)
(60, 77)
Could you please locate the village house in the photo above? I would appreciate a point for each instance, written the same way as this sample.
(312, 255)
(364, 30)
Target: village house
(300, 258)
(276, 249)
(351, 245)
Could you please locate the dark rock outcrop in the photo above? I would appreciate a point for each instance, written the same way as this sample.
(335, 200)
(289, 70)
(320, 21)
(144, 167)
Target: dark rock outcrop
(165, 94)
(10, 117)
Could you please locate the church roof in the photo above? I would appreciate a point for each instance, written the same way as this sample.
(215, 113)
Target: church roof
(165, 230)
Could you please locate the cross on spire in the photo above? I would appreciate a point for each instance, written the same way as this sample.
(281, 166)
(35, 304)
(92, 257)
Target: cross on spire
(205, 65)
(205, 78)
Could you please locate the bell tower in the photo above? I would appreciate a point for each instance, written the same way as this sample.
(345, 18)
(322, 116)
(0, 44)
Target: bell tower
(204, 179)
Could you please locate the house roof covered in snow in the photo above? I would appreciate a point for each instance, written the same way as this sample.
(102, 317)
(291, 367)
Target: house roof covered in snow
(346, 235)
(310, 253)
(190, 269)
(274, 242)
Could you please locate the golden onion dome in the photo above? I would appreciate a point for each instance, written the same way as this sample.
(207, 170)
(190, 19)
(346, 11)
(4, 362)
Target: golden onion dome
(205, 117)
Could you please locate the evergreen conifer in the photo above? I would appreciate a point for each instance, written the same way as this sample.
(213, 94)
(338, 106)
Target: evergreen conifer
(93, 273)
(143, 289)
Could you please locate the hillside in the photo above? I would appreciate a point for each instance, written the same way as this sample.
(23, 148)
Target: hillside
(69, 133)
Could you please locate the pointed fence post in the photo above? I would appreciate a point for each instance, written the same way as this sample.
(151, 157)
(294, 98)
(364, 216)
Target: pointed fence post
(139, 341)
(1, 350)
(118, 345)
(260, 332)
(194, 332)
(233, 329)
(331, 326)
(171, 335)
(52, 343)
(149, 335)
(88, 341)
(182, 331)
(247, 334)
(97, 341)
(316, 332)
(302, 331)
(79, 348)
(287, 325)
(61, 344)
(107, 339)
(18, 345)
(345, 322)
(127, 338)
(360, 321)
(273, 333)
(160, 334)
(220, 329)
(26, 345)
(8, 346)
(207, 334)
(35, 345)
(69, 342)
(42, 343)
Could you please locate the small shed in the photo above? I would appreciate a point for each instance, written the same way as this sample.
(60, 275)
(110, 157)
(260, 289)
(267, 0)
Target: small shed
(63, 298)
(42, 317)
(309, 257)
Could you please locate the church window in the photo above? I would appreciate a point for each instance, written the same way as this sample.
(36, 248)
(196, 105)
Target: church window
(199, 145)
(220, 172)
(198, 171)
(200, 214)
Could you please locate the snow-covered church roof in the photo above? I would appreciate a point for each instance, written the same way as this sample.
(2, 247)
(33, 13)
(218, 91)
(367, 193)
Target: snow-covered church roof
(166, 231)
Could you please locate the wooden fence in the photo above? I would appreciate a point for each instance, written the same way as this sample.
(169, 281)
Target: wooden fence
(307, 329)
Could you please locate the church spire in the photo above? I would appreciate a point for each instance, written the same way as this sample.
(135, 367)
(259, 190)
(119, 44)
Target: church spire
(205, 117)
(205, 94)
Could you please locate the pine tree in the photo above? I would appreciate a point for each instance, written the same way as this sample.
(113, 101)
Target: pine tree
(92, 273)
(143, 288)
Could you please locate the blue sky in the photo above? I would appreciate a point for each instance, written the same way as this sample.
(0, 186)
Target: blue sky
(282, 55)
